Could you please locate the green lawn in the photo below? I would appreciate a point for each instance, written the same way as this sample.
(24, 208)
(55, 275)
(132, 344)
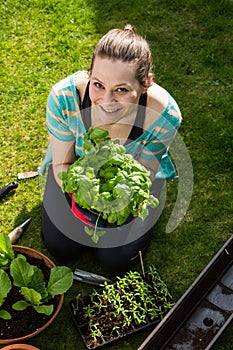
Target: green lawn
(43, 41)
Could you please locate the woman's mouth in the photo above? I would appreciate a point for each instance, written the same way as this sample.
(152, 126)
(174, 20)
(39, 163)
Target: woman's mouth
(110, 110)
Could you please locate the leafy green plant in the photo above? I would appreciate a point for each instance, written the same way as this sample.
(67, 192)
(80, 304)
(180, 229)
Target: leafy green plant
(30, 280)
(108, 181)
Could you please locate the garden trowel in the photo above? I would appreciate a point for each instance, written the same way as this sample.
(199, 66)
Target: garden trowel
(18, 231)
(90, 278)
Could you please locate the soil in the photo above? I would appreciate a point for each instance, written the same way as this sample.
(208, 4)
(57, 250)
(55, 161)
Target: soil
(94, 343)
(28, 321)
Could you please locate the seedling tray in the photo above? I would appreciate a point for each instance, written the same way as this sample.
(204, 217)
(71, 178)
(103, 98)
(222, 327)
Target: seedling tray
(112, 326)
(203, 312)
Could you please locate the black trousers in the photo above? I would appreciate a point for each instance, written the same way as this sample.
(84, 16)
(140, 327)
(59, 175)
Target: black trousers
(64, 236)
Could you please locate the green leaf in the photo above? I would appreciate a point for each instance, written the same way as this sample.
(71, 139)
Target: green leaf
(98, 134)
(20, 305)
(21, 256)
(95, 237)
(6, 250)
(44, 309)
(5, 315)
(112, 218)
(5, 286)
(5, 245)
(100, 233)
(143, 212)
(21, 271)
(87, 145)
(90, 172)
(37, 283)
(62, 175)
(61, 279)
(153, 201)
(122, 219)
(89, 231)
(123, 191)
(31, 295)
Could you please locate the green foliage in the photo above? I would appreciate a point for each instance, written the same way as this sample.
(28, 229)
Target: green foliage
(94, 233)
(109, 181)
(60, 280)
(30, 279)
(132, 299)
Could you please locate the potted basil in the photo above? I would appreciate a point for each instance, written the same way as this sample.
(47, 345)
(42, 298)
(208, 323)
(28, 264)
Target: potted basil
(32, 291)
(108, 182)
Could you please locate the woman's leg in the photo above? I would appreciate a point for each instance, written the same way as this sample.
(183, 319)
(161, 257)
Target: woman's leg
(60, 246)
(121, 259)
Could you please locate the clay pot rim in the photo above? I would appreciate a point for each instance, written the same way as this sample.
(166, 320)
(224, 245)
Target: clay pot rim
(20, 347)
(35, 253)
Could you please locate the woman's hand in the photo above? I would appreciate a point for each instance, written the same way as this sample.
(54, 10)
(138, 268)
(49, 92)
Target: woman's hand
(63, 155)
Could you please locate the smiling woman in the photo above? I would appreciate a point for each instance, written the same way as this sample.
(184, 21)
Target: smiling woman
(117, 94)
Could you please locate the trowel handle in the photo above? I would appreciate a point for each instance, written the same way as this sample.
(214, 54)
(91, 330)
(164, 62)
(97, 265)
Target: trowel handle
(15, 234)
(5, 189)
(18, 231)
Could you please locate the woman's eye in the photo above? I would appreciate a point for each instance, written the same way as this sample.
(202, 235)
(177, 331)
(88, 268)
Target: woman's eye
(121, 90)
(98, 85)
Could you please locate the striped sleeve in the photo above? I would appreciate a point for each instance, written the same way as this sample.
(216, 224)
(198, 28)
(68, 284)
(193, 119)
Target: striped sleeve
(57, 117)
(160, 135)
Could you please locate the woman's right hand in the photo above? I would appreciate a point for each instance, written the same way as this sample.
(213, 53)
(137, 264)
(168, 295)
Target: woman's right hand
(63, 155)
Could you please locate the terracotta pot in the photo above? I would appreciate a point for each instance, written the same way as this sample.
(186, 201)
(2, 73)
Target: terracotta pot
(49, 263)
(20, 347)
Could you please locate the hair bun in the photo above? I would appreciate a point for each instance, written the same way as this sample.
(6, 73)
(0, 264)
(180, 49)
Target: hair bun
(129, 27)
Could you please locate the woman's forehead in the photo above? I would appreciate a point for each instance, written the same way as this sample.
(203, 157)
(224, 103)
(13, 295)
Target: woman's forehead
(116, 71)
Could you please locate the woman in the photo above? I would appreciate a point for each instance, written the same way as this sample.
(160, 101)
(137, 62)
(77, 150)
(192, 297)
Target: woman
(117, 94)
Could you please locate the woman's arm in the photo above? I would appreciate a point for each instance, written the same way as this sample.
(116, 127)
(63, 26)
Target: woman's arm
(63, 155)
(163, 119)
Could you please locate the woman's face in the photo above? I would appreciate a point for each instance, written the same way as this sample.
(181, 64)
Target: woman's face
(114, 90)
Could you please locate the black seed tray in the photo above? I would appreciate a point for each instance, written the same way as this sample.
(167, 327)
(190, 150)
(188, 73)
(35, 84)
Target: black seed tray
(107, 322)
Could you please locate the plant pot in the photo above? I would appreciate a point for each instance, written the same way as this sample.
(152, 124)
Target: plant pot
(20, 347)
(43, 261)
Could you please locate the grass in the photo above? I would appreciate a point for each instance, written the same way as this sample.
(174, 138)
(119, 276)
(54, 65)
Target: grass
(43, 41)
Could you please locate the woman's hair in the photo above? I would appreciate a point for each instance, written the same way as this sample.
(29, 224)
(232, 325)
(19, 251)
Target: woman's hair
(128, 46)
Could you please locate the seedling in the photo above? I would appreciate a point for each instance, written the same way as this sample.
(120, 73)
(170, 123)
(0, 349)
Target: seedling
(132, 303)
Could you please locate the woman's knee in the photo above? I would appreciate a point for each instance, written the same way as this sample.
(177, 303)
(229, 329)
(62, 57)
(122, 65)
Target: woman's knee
(121, 258)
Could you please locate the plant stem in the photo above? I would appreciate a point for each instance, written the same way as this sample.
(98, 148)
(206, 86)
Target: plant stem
(142, 265)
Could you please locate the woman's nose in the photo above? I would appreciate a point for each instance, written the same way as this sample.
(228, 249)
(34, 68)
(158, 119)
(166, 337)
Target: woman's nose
(108, 96)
